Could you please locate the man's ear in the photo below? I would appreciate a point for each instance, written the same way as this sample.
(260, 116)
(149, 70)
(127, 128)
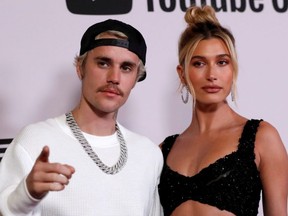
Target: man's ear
(80, 72)
(180, 71)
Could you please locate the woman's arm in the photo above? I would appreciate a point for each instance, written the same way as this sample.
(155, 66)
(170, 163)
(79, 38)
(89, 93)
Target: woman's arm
(273, 167)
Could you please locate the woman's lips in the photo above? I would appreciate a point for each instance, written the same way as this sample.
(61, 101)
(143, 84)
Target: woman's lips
(212, 89)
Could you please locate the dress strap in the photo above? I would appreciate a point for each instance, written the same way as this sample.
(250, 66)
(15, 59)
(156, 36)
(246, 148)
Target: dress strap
(167, 145)
(247, 139)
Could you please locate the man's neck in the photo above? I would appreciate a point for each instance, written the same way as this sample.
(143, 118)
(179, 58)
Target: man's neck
(94, 124)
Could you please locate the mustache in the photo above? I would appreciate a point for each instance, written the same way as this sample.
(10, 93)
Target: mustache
(111, 88)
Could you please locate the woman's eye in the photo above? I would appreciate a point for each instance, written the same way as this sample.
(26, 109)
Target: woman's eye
(198, 64)
(223, 62)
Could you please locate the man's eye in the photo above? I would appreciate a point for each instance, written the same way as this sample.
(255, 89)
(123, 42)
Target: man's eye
(127, 68)
(102, 64)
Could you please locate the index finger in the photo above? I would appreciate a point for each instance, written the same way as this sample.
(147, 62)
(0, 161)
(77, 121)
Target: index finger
(44, 155)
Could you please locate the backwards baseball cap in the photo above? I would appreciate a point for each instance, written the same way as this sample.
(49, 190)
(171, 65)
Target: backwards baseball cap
(134, 43)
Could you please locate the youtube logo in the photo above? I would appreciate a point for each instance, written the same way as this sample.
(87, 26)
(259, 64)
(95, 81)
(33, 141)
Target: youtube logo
(99, 7)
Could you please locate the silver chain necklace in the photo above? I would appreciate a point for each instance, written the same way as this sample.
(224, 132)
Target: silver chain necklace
(87, 147)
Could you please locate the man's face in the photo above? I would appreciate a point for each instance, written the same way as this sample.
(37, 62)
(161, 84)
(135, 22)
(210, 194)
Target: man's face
(108, 75)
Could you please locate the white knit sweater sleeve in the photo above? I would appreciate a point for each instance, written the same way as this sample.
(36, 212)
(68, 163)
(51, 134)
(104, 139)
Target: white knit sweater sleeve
(14, 197)
(156, 208)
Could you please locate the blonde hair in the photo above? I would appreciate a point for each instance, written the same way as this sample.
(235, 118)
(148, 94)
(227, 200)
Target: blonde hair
(81, 60)
(202, 23)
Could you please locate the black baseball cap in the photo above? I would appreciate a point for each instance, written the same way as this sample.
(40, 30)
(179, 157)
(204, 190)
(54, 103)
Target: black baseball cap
(135, 43)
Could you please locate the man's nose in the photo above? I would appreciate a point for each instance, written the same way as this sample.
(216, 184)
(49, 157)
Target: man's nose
(114, 76)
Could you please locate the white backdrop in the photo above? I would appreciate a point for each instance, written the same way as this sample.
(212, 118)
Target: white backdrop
(39, 40)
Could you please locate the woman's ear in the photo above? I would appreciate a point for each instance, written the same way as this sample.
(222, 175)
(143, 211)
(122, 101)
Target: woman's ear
(180, 72)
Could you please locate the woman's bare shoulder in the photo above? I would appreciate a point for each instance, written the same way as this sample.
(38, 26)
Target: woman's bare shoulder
(268, 141)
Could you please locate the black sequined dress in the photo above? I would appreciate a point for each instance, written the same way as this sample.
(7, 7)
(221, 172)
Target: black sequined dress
(232, 183)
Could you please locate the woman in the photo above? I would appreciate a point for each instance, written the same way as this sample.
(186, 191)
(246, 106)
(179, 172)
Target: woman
(220, 164)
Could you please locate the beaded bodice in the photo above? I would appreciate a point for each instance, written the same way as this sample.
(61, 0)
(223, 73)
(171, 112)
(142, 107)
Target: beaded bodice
(232, 183)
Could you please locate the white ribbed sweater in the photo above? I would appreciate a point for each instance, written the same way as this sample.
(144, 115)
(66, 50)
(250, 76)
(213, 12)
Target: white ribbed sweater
(131, 192)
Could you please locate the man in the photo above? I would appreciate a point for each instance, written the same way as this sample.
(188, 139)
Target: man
(110, 170)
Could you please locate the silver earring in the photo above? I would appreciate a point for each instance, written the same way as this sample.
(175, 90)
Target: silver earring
(185, 96)
(232, 96)
(233, 92)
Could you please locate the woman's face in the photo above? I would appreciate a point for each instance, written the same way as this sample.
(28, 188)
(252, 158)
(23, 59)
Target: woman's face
(211, 71)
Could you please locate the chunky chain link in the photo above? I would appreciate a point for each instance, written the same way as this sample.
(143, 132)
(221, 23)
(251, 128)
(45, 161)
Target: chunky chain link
(87, 147)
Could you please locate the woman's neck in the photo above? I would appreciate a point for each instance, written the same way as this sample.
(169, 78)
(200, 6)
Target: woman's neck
(212, 117)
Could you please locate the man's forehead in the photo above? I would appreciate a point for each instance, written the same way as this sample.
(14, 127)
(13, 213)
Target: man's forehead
(116, 54)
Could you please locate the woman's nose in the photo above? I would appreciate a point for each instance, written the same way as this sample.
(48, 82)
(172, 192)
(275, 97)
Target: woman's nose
(211, 76)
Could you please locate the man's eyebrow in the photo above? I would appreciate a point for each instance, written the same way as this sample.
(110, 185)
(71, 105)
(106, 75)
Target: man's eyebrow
(110, 60)
(130, 63)
(103, 58)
